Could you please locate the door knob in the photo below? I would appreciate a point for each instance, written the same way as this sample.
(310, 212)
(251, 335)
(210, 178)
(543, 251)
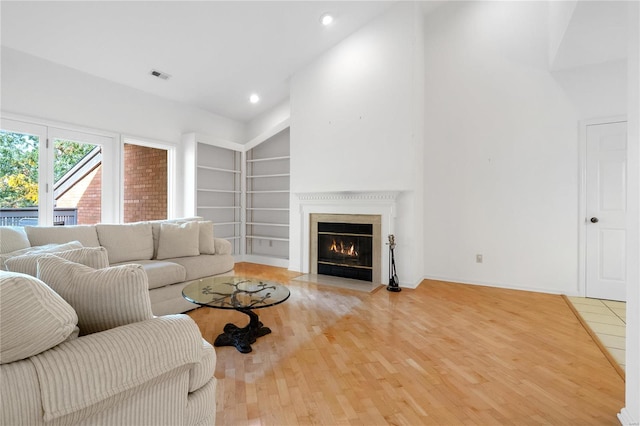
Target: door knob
(594, 220)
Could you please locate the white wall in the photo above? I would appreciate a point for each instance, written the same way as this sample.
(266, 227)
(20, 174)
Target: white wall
(501, 149)
(560, 13)
(354, 126)
(597, 90)
(630, 415)
(261, 127)
(38, 88)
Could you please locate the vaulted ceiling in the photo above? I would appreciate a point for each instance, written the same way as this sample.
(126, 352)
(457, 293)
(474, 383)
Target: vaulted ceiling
(595, 32)
(219, 52)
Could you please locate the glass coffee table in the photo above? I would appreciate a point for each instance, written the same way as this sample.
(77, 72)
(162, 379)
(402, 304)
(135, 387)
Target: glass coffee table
(242, 294)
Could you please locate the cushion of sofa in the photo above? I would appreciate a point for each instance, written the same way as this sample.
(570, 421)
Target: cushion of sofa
(178, 240)
(47, 248)
(205, 265)
(13, 238)
(161, 273)
(207, 240)
(34, 318)
(40, 235)
(94, 257)
(125, 242)
(223, 246)
(103, 298)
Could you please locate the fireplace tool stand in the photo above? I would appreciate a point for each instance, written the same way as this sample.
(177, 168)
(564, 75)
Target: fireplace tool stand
(394, 285)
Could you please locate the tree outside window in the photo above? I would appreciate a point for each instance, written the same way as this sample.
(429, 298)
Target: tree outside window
(19, 166)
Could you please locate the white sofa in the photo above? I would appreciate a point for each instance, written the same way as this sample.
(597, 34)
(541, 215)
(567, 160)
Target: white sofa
(172, 252)
(86, 349)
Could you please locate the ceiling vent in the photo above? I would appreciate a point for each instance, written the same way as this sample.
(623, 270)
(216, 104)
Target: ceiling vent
(160, 74)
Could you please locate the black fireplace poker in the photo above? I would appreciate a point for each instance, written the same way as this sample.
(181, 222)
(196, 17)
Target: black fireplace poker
(394, 285)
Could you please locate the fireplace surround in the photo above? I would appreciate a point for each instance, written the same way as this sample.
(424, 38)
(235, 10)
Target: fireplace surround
(381, 203)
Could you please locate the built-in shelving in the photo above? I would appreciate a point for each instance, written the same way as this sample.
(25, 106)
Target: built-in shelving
(217, 179)
(267, 198)
(243, 190)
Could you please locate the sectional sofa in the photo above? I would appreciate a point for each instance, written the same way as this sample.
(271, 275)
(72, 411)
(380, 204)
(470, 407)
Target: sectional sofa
(86, 325)
(171, 252)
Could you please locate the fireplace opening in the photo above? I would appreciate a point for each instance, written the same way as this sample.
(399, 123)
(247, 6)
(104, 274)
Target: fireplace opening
(346, 246)
(345, 250)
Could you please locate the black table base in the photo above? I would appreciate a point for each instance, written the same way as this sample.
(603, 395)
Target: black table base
(242, 338)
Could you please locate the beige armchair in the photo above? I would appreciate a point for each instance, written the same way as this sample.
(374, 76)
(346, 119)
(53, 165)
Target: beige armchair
(152, 371)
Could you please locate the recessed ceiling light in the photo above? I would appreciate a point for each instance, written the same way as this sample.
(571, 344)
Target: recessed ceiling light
(326, 19)
(254, 98)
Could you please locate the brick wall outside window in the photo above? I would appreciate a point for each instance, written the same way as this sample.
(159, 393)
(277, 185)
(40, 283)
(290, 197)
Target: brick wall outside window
(85, 195)
(145, 183)
(145, 188)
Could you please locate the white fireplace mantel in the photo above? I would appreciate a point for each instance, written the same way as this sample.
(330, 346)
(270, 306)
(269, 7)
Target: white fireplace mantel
(351, 196)
(381, 203)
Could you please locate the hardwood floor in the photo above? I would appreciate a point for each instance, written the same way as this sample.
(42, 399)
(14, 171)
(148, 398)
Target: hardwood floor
(442, 354)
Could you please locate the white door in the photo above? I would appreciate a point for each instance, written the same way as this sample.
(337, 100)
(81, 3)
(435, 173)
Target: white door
(606, 197)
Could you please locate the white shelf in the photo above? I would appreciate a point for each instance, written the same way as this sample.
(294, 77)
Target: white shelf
(275, 191)
(226, 223)
(218, 169)
(259, 237)
(268, 224)
(274, 209)
(218, 207)
(222, 191)
(257, 160)
(269, 176)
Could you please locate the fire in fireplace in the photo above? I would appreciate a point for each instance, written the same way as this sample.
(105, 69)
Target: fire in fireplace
(345, 250)
(349, 250)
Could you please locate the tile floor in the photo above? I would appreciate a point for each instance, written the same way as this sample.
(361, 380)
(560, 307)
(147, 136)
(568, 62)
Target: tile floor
(607, 319)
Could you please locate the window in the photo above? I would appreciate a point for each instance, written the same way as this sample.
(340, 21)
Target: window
(54, 176)
(147, 171)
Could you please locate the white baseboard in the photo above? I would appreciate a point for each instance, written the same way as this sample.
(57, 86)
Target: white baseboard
(493, 284)
(625, 418)
(264, 260)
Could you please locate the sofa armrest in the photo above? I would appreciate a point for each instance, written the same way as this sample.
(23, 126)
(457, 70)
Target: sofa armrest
(202, 372)
(77, 374)
(222, 246)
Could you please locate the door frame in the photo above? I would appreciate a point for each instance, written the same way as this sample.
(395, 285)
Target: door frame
(582, 195)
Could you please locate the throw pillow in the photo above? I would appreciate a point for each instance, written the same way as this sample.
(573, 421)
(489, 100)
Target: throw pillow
(13, 238)
(94, 257)
(178, 240)
(155, 229)
(47, 248)
(34, 318)
(132, 241)
(207, 243)
(103, 298)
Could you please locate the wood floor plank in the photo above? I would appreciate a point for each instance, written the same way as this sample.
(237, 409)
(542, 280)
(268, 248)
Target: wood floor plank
(443, 353)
